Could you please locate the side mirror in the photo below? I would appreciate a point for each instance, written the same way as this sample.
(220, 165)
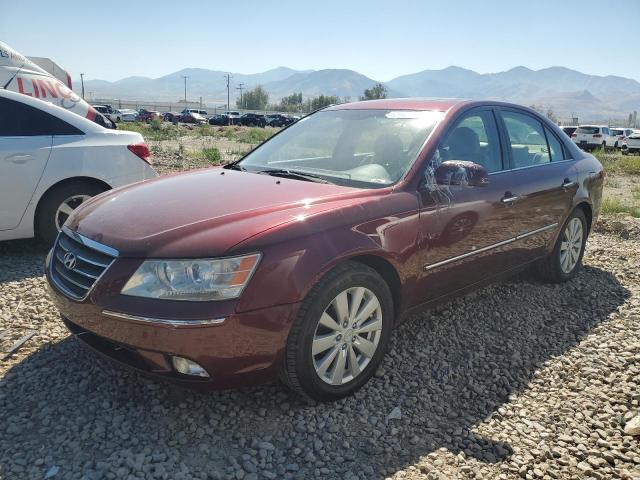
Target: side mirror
(461, 172)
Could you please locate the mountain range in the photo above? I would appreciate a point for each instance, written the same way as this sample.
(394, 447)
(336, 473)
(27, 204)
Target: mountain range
(568, 92)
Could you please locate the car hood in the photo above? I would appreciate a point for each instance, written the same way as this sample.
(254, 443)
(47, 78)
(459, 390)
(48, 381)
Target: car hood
(201, 213)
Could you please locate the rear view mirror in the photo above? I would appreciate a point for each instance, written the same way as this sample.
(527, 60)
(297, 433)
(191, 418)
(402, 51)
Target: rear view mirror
(460, 172)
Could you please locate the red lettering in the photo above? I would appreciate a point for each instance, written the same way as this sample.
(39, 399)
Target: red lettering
(36, 93)
(63, 91)
(21, 88)
(46, 86)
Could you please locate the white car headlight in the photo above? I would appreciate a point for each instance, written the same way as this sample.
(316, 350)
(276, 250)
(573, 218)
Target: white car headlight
(192, 280)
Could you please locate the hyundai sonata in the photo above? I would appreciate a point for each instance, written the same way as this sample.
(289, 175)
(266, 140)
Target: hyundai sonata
(297, 261)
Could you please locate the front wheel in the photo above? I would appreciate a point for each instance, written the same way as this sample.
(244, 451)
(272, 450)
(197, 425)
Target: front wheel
(566, 259)
(340, 334)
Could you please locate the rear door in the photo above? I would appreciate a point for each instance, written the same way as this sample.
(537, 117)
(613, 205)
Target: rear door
(26, 135)
(544, 180)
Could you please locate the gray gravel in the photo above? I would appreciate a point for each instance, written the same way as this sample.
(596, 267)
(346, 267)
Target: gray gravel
(518, 380)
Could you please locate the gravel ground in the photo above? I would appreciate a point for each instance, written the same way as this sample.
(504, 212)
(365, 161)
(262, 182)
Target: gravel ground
(518, 380)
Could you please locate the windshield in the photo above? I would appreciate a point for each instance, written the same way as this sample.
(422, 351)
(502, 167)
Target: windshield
(358, 148)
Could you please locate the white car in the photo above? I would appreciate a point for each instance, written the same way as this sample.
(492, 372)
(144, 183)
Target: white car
(126, 115)
(52, 160)
(632, 143)
(590, 137)
(621, 134)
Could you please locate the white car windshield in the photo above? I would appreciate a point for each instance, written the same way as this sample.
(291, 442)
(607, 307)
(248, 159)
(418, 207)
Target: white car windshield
(359, 148)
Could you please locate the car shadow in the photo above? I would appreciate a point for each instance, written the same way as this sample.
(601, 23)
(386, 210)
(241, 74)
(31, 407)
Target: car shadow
(20, 259)
(446, 370)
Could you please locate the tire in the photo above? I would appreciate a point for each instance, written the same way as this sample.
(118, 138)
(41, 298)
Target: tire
(47, 216)
(604, 146)
(300, 368)
(551, 269)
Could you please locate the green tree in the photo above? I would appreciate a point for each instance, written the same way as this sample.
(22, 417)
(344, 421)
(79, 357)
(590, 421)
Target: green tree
(374, 93)
(256, 99)
(551, 115)
(321, 101)
(291, 103)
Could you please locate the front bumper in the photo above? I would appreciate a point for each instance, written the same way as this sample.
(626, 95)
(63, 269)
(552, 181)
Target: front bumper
(244, 349)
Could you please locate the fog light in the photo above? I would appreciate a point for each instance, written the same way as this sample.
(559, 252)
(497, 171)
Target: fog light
(188, 367)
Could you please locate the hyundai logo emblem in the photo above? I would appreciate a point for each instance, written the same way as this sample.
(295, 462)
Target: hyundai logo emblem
(69, 260)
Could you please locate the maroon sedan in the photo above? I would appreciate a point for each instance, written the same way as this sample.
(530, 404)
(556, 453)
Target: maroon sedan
(297, 261)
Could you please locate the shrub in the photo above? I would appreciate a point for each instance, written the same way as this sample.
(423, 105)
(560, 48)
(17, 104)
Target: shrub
(614, 205)
(618, 163)
(254, 135)
(212, 155)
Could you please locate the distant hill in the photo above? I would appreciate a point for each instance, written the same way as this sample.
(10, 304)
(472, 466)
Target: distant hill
(564, 90)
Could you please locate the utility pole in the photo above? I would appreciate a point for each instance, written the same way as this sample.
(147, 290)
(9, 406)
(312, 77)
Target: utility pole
(228, 77)
(185, 90)
(82, 82)
(240, 87)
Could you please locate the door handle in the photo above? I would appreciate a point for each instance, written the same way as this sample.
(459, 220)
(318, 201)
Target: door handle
(20, 158)
(569, 184)
(509, 198)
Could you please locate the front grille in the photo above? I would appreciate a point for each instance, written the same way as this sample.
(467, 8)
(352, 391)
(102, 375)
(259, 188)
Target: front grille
(77, 262)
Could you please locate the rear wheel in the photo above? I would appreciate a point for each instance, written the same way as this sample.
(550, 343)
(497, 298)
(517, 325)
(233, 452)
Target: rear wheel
(340, 334)
(57, 204)
(566, 259)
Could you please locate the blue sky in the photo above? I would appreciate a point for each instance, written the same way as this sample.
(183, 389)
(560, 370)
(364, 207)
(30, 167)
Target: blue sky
(381, 39)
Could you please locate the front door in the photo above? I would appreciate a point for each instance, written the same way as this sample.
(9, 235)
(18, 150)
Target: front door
(466, 232)
(24, 152)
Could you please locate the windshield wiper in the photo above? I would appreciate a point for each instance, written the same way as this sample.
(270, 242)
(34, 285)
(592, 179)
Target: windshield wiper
(282, 172)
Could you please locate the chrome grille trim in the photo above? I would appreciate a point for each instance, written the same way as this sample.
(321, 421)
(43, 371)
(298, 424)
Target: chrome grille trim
(92, 259)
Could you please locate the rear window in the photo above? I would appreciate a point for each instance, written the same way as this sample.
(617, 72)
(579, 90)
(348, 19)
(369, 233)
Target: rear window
(590, 130)
(617, 132)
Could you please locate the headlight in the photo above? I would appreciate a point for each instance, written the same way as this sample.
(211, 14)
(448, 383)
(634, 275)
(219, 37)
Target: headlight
(193, 280)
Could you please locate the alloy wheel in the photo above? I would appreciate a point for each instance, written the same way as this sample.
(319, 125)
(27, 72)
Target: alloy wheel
(67, 207)
(571, 245)
(347, 335)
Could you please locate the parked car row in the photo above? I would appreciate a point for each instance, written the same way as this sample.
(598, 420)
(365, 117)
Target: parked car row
(253, 119)
(197, 116)
(591, 137)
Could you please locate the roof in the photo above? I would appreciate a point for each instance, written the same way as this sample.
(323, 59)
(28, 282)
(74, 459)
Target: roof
(442, 104)
(67, 115)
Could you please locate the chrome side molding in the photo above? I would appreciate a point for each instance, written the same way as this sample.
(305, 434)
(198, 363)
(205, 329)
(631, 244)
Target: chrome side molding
(206, 322)
(489, 247)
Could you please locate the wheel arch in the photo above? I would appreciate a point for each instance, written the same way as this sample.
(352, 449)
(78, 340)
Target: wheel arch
(66, 181)
(587, 209)
(387, 271)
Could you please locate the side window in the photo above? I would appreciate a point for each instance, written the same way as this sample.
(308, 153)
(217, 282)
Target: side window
(20, 120)
(555, 147)
(474, 138)
(527, 140)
